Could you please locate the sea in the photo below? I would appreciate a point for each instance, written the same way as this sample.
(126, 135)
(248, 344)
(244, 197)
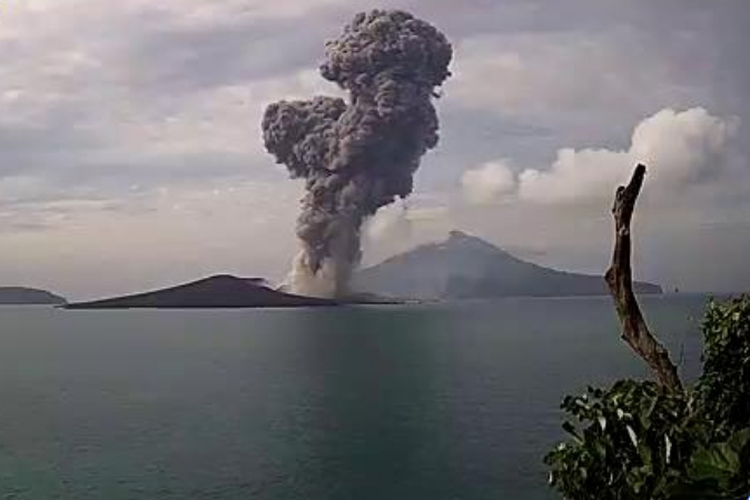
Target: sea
(455, 401)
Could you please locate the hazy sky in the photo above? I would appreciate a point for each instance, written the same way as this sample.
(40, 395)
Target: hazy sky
(130, 150)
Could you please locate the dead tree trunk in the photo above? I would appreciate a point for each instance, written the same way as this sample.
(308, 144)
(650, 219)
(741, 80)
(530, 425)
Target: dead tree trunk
(619, 278)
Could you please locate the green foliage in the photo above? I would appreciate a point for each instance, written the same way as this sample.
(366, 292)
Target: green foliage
(719, 471)
(723, 390)
(637, 440)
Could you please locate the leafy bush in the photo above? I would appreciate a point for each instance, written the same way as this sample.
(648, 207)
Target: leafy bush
(723, 390)
(719, 471)
(637, 440)
(636, 443)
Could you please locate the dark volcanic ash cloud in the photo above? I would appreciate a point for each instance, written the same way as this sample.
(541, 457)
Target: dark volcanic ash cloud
(360, 155)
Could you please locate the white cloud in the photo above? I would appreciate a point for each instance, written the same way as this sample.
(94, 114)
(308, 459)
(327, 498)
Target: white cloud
(401, 223)
(488, 183)
(684, 147)
(680, 149)
(390, 223)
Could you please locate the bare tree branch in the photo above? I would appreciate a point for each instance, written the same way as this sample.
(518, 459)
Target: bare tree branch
(619, 278)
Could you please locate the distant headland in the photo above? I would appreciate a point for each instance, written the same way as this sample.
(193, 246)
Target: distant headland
(22, 296)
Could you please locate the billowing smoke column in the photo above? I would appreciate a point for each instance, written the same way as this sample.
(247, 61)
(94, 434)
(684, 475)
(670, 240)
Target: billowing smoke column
(360, 155)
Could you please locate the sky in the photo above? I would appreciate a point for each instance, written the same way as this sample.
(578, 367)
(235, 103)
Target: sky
(131, 156)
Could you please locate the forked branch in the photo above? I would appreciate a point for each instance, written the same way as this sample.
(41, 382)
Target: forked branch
(619, 278)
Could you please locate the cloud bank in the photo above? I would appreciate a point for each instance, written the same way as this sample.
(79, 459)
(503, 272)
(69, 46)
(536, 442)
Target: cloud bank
(683, 149)
(488, 183)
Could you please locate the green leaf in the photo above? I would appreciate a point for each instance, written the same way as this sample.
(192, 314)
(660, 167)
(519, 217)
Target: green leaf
(719, 462)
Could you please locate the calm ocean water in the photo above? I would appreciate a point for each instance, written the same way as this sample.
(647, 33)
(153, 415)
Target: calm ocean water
(453, 402)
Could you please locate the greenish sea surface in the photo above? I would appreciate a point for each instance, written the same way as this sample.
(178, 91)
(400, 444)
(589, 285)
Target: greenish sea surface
(429, 402)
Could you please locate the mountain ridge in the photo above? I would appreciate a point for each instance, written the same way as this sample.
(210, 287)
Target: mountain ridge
(468, 267)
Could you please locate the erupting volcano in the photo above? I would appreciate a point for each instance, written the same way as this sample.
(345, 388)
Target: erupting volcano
(359, 155)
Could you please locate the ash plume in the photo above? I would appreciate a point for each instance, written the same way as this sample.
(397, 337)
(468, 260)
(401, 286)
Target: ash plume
(358, 155)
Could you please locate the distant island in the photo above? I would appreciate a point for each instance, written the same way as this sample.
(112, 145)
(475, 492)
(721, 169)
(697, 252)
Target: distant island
(467, 267)
(222, 291)
(22, 296)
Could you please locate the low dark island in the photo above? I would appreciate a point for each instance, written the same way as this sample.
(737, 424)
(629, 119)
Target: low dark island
(22, 296)
(221, 291)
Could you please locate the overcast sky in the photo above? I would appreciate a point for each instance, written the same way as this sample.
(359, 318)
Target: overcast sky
(131, 158)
